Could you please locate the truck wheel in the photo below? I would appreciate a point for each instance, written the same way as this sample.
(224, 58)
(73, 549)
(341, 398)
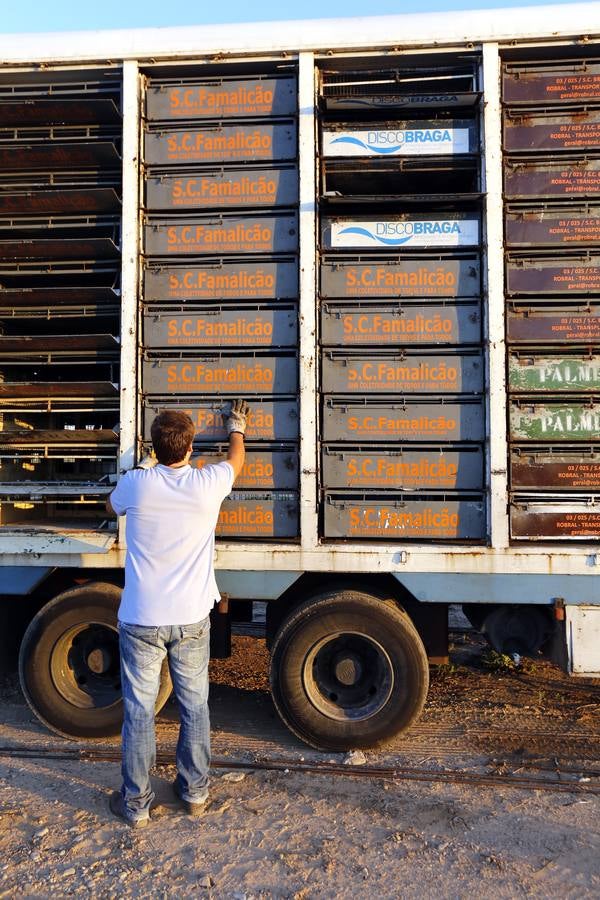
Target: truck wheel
(348, 670)
(69, 663)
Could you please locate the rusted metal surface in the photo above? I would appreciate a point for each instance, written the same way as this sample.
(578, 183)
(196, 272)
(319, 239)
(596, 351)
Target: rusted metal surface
(554, 420)
(27, 298)
(220, 98)
(345, 324)
(44, 111)
(552, 226)
(69, 201)
(406, 231)
(553, 275)
(64, 437)
(441, 137)
(408, 518)
(45, 390)
(214, 235)
(250, 142)
(236, 326)
(57, 148)
(554, 521)
(25, 344)
(399, 373)
(406, 421)
(259, 515)
(534, 131)
(263, 469)
(399, 180)
(270, 419)
(46, 238)
(574, 324)
(572, 81)
(552, 178)
(258, 187)
(424, 468)
(554, 373)
(221, 374)
(435, 277)
(221, 280)
(555, 469)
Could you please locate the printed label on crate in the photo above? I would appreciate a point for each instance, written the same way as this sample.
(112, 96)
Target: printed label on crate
(579, 131)
(530, 229)
(546, 326)
(237, 280)
(553, 374)
(262, 470)
(348, 325)
(258, 516)
(404, 520)
(435, 469)
(552, 179)
(235, 234)
(239, 327)
(268, 420)
(412, 374)
(400, 278)
(407, 232)
(530, 276)
(555, 421)
(228, 375)
(250, 142)
(408, 139)
(568, 83)
(221, 98)
(223, 189)
(553, 470)
(408, 422)
(534, 521)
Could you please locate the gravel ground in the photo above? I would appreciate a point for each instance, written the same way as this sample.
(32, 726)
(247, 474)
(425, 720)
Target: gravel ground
(299, 835)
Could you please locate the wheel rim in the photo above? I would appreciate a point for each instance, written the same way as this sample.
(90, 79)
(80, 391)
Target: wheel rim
(348, 676)
(85, 666)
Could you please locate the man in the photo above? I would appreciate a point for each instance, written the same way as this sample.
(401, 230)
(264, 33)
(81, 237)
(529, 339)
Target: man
(170, 588)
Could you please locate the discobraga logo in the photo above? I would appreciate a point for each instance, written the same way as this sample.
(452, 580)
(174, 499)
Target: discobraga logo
(401, 141)
(421, 233)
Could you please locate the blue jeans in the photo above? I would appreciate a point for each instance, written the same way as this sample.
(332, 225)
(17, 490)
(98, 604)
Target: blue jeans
(143, 650)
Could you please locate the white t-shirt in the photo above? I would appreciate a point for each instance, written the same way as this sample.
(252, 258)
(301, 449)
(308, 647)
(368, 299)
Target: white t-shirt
(170, 531)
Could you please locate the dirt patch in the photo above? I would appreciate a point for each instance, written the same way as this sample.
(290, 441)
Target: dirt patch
(289, 834)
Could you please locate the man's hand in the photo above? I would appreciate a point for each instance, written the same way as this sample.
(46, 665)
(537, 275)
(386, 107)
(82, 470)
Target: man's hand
(237, 417)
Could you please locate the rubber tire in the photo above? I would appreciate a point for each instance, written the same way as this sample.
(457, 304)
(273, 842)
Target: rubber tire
(363, 613)
(93, 602)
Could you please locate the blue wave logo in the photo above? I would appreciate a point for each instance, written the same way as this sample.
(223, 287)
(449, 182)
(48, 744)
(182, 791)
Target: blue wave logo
(364, 232)
(359, 143)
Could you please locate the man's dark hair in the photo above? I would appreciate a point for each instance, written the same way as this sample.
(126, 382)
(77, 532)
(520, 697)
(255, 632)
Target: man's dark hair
(172, 433)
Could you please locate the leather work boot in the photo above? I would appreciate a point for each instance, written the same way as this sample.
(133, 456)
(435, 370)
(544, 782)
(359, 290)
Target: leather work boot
(117, 808)
(192, 809)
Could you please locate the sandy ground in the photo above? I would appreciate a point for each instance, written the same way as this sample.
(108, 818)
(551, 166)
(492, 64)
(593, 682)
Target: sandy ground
(299, 835)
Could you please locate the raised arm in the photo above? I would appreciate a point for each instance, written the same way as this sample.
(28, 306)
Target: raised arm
(235, 422)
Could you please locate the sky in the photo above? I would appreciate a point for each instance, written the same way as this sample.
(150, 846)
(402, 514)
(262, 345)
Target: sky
(85, 15)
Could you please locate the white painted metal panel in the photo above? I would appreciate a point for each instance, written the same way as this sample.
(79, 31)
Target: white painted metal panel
(583, 639)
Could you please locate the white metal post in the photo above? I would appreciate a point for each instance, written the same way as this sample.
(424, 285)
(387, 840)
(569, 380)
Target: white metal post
(308, 293)
(129, 267)
(494, 315)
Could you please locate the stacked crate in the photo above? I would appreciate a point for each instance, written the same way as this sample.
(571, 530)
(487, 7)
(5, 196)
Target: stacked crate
(551, 139)
(402, 368)
(60, 221)
(220, 276)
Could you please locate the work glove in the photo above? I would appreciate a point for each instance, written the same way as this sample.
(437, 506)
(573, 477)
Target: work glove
(237, 417)
(148, 462)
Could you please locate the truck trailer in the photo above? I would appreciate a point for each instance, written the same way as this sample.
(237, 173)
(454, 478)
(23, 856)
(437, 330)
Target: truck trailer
(384, 233)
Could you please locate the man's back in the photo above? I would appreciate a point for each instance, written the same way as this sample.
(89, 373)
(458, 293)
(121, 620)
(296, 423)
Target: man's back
(171, 518)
